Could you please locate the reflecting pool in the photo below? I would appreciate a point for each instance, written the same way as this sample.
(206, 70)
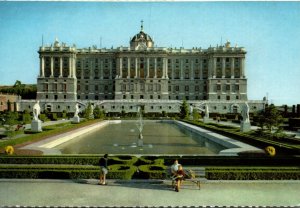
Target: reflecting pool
(159, 138)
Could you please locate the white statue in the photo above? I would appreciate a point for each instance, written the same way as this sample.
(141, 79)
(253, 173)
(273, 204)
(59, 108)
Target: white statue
(76, 110)
(92, 109)
(36, 111)
(245, 113)
(191, 109)
(206, 111)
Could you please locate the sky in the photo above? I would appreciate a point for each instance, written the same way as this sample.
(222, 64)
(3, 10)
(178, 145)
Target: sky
(269, 31)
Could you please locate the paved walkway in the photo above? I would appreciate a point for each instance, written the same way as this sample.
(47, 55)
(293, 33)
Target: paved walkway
(120, 193)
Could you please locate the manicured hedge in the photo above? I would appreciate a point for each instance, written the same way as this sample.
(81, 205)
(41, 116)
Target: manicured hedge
(128, 160)
(147, 160)
(79, 160)
(67, 159)
(121, 172)
(65, 172)
(152, 171)
(253, 174)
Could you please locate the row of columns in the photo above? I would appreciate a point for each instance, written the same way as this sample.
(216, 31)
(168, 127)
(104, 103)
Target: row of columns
(137, 68)
(100, 70)
(213, 67)
(72, 66)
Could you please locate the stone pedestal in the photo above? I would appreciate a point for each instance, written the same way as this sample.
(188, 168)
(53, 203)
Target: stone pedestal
(75, 119)
(36, 125)
(140, 143)
(245, 126)
(205, 119)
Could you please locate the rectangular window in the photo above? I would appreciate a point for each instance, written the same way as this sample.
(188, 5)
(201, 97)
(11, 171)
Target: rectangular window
(186, 88)
(227, 87)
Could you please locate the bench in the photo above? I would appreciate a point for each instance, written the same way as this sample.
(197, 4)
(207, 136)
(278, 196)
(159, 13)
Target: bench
(195, 175)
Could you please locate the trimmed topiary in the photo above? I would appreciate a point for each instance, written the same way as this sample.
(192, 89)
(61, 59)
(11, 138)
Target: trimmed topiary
(121, 172)
(152, 171)
(128, 160)
(9, 150)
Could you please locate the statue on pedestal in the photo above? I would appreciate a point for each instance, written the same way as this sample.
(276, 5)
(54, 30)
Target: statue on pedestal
(245, 124)
(245, 113)
(76, 118)
(36, 110)
(206, 111)
(36, 124)
(206, 114)
(76, 110)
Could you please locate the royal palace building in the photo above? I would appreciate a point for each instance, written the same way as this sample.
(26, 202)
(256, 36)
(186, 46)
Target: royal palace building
(157, 78)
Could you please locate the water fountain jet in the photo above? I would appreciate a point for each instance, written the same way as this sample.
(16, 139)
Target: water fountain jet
(140, 125)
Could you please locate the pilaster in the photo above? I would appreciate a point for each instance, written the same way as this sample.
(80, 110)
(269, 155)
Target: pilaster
(232, 68)
(223, 67)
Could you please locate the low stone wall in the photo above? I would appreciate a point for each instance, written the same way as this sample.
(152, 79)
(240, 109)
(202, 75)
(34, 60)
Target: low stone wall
(234, 146)
(73, 134)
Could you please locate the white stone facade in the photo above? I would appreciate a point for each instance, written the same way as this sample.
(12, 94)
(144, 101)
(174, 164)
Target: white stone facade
(159, 78)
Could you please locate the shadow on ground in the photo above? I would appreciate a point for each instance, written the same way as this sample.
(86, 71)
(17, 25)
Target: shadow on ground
(155, 185)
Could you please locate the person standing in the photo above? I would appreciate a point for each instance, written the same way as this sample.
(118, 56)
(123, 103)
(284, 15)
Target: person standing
(103, 169)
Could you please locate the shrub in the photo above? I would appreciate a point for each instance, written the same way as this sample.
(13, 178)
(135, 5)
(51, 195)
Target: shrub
(65, 171)
(248, 174)
(152, 171)
(121, 171)
(270, 151)
(9, 150)
(147, 160)
(128, 160)
(43, 117)
(26, 118)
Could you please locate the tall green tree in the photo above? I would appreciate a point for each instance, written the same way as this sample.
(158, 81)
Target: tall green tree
(196, 115)
(270, 119)
(184, 110)
(88, 112)
(26, 118)
(97, 112)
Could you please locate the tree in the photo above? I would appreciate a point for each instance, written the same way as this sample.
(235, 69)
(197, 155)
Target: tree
(26, 118)
(270, 119)
(184, 110)
(10, 119)
(88, 112)
(196, 115)
(97, 112)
